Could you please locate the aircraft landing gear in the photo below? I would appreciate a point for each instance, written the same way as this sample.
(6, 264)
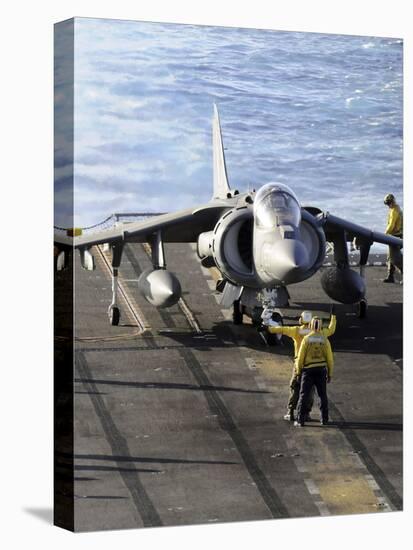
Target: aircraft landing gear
(237, 313)
(114, 315)
(113, 310)
(269, 317)
(274, 339)
(362, 309)
(272, 299)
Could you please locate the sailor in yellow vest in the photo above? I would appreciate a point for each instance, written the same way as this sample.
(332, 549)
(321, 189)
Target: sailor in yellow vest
(297, 334)
(315, 366)
(394, 227)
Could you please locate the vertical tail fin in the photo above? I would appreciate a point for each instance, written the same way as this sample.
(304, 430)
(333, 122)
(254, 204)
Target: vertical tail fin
(221, 186)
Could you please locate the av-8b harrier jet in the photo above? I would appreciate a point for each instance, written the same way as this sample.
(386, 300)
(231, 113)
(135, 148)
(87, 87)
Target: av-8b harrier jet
(260, 242)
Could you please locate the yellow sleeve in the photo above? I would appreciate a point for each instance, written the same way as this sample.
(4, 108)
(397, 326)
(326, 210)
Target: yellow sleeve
(398, 220)
(391, 220)
(285, 331)
(329, 358)
(330, 330)
(301, 356)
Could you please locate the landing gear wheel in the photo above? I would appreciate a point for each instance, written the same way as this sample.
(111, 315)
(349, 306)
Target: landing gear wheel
(362, 309)
(237, 313)
(256, 318)
(275, 339)
(114, 316)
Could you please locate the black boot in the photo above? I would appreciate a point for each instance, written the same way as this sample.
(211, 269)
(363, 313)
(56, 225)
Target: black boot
(389, 279)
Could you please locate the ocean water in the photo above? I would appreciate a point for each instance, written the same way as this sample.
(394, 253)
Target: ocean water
(321, 113)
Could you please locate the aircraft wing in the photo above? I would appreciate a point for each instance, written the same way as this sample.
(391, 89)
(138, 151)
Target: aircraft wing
(183, 226)
(63, 240)
(333, 225)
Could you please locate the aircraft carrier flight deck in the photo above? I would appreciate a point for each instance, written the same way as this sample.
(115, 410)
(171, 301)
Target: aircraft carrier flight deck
(179, 413)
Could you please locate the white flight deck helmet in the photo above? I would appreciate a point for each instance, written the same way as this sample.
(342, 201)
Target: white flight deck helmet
(389, 199)
(306, 317)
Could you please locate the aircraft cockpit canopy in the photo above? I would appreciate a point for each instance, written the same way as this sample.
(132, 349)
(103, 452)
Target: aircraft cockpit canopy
(275, 204)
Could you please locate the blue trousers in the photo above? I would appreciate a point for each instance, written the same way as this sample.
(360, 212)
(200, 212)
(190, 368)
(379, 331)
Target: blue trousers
(310, 377)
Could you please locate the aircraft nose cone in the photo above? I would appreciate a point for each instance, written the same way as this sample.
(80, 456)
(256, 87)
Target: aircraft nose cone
(291, 257)
(288, 260)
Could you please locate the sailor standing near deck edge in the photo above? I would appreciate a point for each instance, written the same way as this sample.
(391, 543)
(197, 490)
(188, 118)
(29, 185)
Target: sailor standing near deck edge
(394, 227)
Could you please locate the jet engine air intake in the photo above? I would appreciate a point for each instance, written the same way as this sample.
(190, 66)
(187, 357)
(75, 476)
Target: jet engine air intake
(314, 240)
(229, 246)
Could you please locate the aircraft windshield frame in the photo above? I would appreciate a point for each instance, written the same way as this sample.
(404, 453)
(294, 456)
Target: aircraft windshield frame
(276, 205)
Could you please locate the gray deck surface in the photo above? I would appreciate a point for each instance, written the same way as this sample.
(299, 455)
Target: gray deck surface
(175, 427)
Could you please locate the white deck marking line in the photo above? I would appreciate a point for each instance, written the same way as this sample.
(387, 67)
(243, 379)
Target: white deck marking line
(309, 483)
(392, 449)
(133, 308)
(322, 508)
(251, 363)
(104, 265)
(312, 487)
(190, 317)
(299, 463)
(270, 402)
(359, 463)
(381, 499)
(372, 482)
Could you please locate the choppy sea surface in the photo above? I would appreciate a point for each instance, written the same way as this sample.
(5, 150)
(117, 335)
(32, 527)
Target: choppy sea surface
(321, 113)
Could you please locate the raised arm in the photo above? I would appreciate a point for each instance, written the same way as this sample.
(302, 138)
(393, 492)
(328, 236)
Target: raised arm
(330, 330)
(329, 359)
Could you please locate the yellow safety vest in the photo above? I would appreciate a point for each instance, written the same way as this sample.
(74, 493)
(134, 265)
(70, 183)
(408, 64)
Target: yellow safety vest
(315, 351)
(395, 221)
(299, 332)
